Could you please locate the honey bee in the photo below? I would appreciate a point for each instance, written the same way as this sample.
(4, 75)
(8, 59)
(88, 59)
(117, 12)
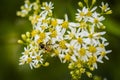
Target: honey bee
(46, 47)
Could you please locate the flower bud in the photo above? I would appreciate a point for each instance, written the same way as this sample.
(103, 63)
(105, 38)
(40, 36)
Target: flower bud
(20, 41)
(86, 1)
(93, 2)
(46, 64)
(89, 74)
(80, 4)
(109, 12)
(23, 36)
(28, 34)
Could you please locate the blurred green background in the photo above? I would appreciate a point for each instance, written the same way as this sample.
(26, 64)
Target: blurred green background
(11, 28)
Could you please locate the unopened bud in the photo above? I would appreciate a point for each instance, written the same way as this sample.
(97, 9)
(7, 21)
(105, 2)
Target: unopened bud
(89, 74)
(80, 4)
(20, 41)
(28, 34)
(46, 64)
(86, 1)
(109, 12)
(28, 40)
(23, 36)
(93, 2)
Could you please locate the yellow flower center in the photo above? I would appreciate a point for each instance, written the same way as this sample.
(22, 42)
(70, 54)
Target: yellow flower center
(43, 27)
(29, 59)
(35, 19)
(54, 23)
(62, 44)
(82, 51)
(89, 14)
(54, 33)
(90, 36)
(34, 32)
(104, 7)
(80, 40)
(96, 20)
(56, 52)
(47, 8)
(26, 52)
(65, 24)
(42, 35)
(92, 49)
(92, 60)
(67, 57)
(82, 14)
(38, 57)
(103, 54)
(102, 45)
(83, 25)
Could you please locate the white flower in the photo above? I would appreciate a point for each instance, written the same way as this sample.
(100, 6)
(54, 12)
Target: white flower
(104, 7)
(70, 34)
(96, 19)
(47, 8)
(81, 14)
(83, 54)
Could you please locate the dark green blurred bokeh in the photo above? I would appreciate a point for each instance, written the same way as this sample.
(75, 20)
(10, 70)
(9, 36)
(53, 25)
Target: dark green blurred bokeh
(11, 27)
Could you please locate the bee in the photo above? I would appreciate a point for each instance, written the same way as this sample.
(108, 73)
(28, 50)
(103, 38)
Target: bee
(46, 47)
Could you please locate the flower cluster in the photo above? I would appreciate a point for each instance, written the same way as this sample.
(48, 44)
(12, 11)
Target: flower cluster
(80, 44)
